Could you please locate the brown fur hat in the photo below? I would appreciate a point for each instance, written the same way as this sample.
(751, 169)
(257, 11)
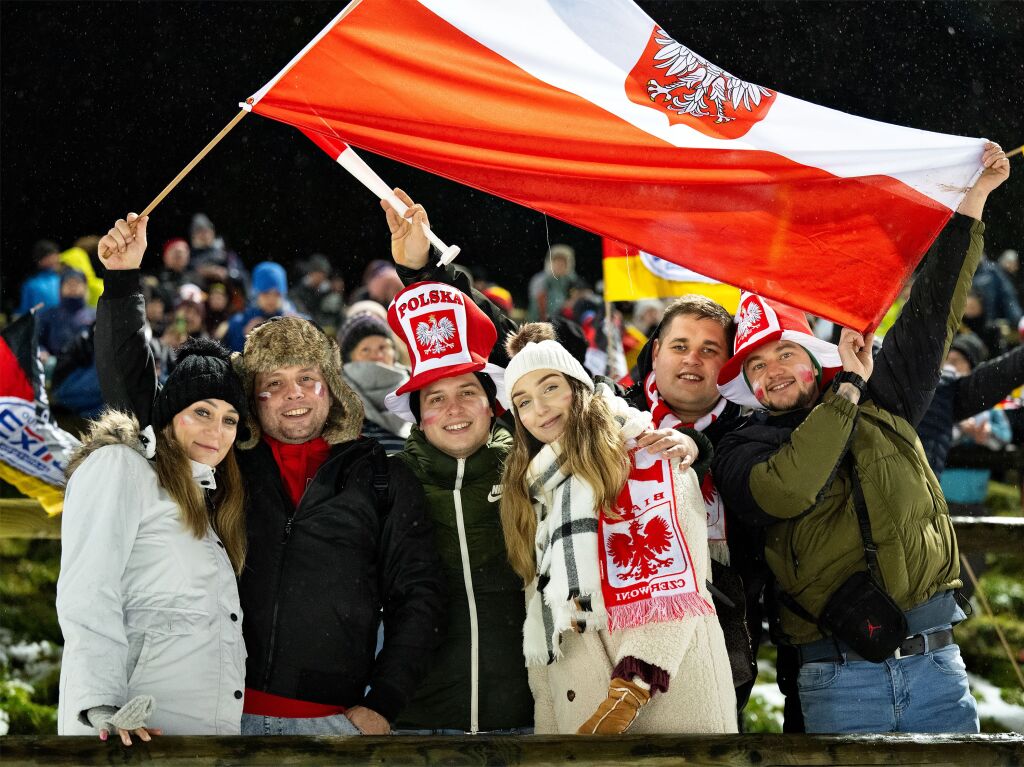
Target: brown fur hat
(286, 341)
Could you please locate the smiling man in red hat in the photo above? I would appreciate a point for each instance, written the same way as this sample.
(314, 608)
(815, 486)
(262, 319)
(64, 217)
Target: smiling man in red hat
(858, 535)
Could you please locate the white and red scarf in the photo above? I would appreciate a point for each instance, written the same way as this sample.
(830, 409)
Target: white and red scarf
(595, 572)
(664, 418)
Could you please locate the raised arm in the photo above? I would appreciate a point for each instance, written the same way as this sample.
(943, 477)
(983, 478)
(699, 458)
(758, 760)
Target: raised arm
(988, 384)
(907, 366)
(124, 361)
(410, 250)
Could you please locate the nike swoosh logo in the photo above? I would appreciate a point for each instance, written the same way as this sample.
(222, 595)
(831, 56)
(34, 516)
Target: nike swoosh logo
(494, 495)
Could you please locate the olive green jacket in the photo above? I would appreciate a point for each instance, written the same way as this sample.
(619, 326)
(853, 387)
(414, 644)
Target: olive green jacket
(788, 472)
(477, 679)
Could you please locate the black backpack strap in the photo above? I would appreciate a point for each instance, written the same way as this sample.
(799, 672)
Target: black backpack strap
(864, 522)
(381, 478)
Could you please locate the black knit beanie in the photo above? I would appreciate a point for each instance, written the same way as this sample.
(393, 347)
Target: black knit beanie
(356, 329)
(203, 371)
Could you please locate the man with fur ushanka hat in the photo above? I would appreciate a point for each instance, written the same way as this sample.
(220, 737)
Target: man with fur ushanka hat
(830, 466)
(336, 532)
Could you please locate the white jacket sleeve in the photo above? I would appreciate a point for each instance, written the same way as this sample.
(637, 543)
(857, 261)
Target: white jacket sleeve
(102, 512)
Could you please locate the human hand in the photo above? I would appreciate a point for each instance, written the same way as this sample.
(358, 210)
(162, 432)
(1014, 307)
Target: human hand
(669, 443)
(997, 170)
(618, 711)
(977, 430)
(855, 352)
(126, 721)
(125, 244)
(368, 721)
(409, 244)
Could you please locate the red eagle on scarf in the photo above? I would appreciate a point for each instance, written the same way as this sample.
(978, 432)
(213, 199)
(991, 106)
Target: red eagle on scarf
(638, 551)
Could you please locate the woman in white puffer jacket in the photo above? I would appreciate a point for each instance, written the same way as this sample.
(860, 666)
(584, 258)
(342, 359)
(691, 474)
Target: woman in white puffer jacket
(153, 537)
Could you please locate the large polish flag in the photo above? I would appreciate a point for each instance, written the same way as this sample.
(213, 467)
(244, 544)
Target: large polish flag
(591, 112)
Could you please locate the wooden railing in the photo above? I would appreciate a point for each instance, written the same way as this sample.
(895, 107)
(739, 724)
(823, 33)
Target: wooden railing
(534, 751)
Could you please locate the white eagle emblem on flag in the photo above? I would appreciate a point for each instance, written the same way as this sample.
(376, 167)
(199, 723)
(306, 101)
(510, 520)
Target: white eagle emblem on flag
(749, 319)
(436, 337)
(700, 81)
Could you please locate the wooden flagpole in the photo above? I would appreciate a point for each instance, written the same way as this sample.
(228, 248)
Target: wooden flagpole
(195, 161)
(1018, 150)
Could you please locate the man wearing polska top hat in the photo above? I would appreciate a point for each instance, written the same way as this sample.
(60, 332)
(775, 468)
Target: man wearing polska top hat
(858, 533)
(477, 681)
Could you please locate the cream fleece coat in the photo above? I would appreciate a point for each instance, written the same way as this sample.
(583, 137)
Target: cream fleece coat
(700, 697)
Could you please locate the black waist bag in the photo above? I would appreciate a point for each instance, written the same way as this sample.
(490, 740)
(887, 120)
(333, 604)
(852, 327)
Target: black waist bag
(860, 612)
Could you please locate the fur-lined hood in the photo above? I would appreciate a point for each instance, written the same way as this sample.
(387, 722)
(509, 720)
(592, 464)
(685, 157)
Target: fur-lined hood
(286, 341)
(111, 428)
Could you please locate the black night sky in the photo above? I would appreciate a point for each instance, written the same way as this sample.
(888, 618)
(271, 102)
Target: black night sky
(104, 102)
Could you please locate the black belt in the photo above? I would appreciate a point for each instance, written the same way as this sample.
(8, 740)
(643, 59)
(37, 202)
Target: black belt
(918, 644)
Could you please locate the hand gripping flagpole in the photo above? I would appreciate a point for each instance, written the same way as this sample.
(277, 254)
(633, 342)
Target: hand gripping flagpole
(355, 165)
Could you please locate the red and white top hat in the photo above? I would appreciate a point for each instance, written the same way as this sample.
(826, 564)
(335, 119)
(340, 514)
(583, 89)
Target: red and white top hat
(446, 334)
(761, 321)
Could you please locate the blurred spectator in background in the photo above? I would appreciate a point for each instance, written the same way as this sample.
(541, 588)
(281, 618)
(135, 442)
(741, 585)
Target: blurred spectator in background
(499, 297)
(157, 313)
(333, 304)
(644, 319)
(189, 316)
(211, 259)
(217, 310)
(1009, 262)
(75, 385)
(975, 320)
(269, 289)
(370, 368)
(550, 288)
(314, 295)
(175, 272)
(380, 283)
(59, 324)
(998, 294)
(82, 257)
(43, 287)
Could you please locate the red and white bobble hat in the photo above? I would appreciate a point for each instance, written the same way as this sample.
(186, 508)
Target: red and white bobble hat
(446, 334)
(761, 321)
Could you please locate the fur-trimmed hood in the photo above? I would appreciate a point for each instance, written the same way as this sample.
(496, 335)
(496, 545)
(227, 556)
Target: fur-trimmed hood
(111, 428)
(286, 341)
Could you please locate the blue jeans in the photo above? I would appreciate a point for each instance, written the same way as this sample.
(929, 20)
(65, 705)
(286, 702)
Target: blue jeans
(919, 693)
(338, 724)
(509, 731)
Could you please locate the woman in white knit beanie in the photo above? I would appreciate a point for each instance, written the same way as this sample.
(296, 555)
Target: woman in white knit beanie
(611, 542)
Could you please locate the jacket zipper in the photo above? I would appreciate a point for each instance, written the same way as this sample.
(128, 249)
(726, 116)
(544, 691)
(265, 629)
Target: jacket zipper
(269, 664)
(474, 629)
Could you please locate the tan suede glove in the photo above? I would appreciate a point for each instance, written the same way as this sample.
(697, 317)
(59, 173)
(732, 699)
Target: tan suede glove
(618, 711)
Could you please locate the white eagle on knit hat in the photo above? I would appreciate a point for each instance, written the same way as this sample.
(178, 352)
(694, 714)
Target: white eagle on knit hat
(708, 81)
(750, 318)
(436, 338)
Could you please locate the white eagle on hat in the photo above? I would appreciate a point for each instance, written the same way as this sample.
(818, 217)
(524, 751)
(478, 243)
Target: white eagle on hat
(436, 337)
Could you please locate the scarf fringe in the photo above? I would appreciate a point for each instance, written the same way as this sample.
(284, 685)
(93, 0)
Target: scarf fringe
(719, 551)
(671, 608)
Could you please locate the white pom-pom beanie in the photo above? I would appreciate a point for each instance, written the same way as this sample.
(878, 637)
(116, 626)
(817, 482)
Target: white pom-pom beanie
(546, 355)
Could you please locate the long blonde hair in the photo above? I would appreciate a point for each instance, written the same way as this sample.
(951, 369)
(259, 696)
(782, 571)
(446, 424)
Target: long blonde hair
(226, 514)
(593, 450)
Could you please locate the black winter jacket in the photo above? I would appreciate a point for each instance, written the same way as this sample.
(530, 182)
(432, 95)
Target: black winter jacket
(317, 576)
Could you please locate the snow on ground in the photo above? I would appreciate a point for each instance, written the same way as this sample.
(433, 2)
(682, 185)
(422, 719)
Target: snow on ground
(991, 705)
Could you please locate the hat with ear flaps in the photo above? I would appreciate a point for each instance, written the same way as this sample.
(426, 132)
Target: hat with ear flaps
(286, 341)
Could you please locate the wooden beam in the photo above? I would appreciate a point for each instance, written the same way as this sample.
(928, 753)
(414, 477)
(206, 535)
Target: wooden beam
(531, 751)
(25, 518)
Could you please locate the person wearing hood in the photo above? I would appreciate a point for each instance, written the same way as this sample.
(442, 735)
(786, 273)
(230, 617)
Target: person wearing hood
(857, 531)
(81, 256)
(43, 287)
(369, 366)
(211, 258)
(60, 324)
(270, 291)
(152, 539)
(338, 536)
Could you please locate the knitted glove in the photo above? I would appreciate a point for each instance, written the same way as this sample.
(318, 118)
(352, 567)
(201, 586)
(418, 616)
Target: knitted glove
(618, 711)
(131, 716)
